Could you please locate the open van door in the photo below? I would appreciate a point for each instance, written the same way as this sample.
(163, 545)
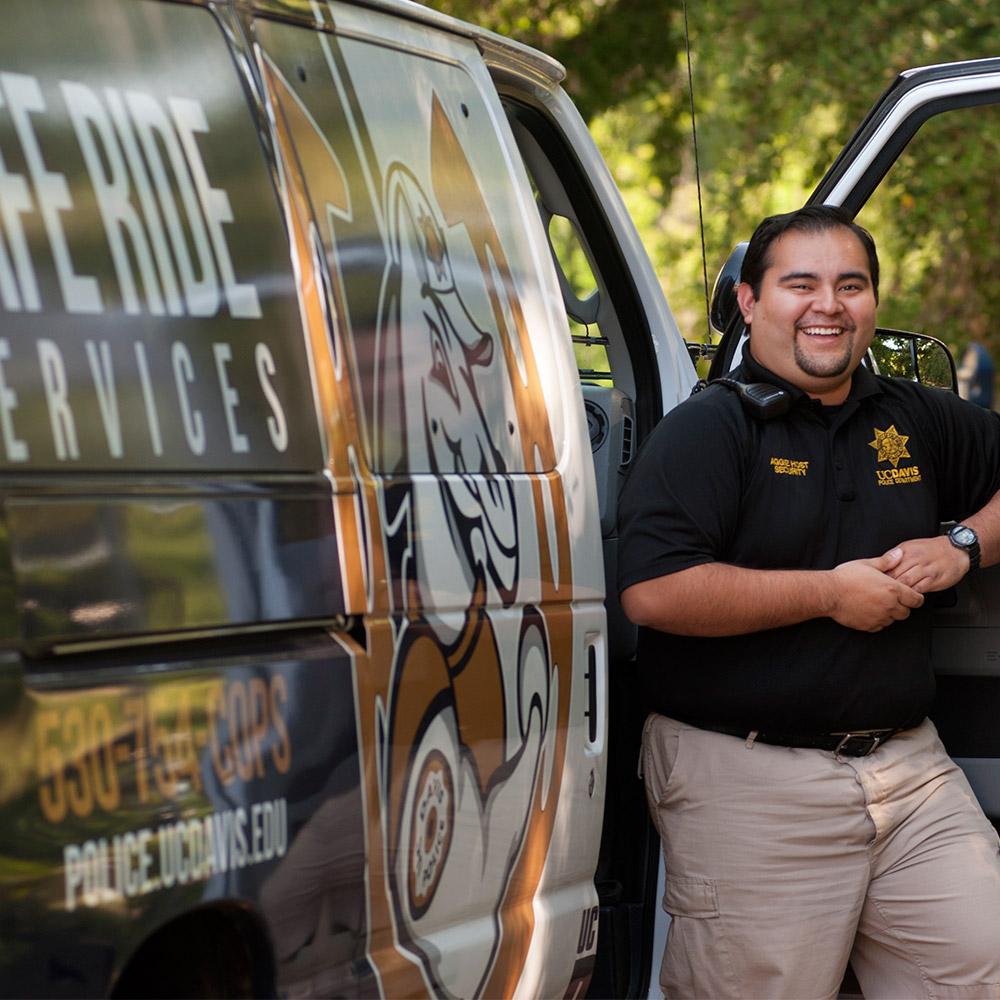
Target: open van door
(633, 367)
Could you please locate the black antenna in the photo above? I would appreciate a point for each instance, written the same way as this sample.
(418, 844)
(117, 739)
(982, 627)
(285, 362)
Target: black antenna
(697, 176)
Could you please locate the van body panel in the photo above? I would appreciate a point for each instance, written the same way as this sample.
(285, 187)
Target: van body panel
(141, 223)
(312, 14)
(162, 787)
(300, 563)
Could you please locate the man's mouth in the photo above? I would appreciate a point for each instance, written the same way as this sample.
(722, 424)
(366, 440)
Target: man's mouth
(822, 331)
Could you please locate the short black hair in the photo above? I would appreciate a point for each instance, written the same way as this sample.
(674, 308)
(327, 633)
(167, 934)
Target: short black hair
(811, 219)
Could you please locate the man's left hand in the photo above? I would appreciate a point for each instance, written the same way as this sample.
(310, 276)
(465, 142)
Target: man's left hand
(930, 564)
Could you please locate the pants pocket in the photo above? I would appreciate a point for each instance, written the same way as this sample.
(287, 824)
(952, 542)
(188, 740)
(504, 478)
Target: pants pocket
(696, 961)
(661, 740)
(690, 897)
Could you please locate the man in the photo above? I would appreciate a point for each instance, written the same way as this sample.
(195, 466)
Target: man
(976, 374)
(779, 567)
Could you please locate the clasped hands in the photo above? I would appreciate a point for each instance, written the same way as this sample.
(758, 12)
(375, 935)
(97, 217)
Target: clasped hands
(870, 594)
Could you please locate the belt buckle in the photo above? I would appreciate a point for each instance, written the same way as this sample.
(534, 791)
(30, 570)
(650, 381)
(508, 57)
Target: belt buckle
(874, 737)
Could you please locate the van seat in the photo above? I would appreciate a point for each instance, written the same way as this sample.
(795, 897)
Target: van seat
(611, 424)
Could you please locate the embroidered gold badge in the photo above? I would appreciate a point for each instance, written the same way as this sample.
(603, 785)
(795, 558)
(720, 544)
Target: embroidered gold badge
(890, 445)
(789, 466)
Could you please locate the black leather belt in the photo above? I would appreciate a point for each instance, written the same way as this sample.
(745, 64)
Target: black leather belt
(858, 743)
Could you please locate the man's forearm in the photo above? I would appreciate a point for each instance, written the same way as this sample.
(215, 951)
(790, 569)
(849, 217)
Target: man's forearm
(717, 599)
(931, 564)
(986, 524)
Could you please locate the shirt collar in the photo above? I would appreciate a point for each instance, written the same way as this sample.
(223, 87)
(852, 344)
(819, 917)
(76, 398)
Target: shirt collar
(863, 382)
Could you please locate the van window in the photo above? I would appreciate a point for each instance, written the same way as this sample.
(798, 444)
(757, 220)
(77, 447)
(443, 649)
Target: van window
(928, 217)
(419, 216)
(145, 286)
(582, 300)
(150, 331)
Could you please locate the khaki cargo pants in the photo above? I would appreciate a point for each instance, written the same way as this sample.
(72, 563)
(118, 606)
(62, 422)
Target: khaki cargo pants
(782, 864)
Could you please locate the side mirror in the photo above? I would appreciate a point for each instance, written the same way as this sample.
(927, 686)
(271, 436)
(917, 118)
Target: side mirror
(914, 356)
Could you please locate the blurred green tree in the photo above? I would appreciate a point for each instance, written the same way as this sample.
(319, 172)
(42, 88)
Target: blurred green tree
(782, 87)
(779, 88)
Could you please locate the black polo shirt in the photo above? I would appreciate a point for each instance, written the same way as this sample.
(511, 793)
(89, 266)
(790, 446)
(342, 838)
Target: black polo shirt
(815, 488)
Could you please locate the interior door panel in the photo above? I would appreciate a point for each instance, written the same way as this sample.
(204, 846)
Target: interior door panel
(965, 650)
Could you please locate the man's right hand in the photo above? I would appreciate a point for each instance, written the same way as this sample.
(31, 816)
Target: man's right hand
(866, 598)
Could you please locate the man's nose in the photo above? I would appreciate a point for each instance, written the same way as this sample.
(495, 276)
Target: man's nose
(826, 299)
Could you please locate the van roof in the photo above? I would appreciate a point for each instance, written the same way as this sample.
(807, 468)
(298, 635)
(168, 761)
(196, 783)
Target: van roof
(498, 46)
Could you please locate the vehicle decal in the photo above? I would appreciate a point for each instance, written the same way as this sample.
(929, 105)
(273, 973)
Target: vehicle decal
(145, 288)
(463, 705)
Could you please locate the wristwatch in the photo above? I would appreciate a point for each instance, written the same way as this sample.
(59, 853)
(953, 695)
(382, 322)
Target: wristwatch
(963, 537)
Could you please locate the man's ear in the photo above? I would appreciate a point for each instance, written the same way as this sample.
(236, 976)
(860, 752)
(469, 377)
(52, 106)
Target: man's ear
(746, 300)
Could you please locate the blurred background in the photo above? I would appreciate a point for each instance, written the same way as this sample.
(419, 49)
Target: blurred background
(778, 90)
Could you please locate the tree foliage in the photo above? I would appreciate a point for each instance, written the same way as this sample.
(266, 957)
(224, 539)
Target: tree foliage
(784, 88)
(778, 89)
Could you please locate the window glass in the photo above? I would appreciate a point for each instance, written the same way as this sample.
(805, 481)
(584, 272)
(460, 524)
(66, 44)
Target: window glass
(934, 220)
(148, 315)
(581, 299)
(572, 257)
(434, 279)
(591, 352)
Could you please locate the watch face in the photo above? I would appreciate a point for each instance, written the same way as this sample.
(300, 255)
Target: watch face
(963, 536)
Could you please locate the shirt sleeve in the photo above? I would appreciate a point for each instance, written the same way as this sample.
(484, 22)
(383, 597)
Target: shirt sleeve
(968, 454)
(680, 504)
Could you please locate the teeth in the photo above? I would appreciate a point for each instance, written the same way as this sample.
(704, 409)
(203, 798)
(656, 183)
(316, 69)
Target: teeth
(822, 331)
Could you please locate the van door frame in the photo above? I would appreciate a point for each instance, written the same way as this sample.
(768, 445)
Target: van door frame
(915, 96)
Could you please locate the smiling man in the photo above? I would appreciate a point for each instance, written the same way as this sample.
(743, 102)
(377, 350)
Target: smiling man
(808, 812)
(829, 308)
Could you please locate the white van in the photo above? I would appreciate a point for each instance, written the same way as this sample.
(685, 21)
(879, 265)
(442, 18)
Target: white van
(304, 682)
(309, 683)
